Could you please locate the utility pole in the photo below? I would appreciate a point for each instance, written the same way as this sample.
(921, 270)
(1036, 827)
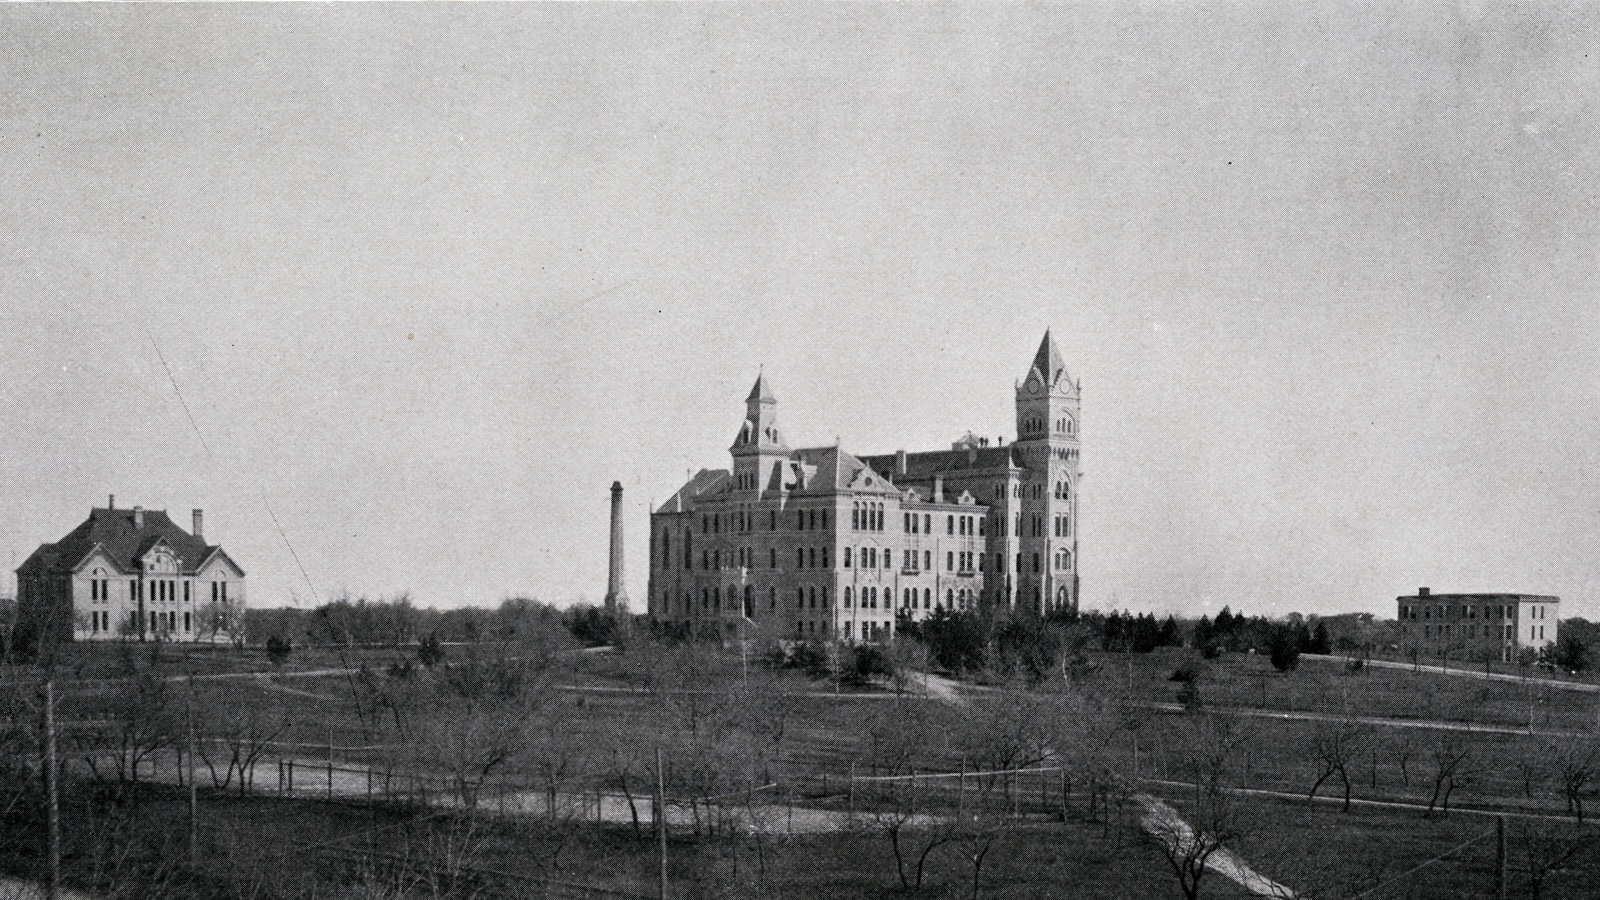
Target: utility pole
(661, 822)
(194, 819)
(52, 791)
(1500, 857)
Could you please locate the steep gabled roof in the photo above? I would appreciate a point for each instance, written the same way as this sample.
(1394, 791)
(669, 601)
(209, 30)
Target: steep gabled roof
(113, 531)
(838, 471)
(922, 466)
(703, 482)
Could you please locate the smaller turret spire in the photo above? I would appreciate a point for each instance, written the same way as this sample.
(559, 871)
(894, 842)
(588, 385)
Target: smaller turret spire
(761, 393)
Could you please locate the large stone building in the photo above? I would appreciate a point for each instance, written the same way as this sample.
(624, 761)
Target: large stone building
(817, 542)
(1481, 626)
(130, 573)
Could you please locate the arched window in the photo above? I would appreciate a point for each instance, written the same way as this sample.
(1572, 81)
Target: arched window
(848, 594)
(666, 549)
(749, 601)
(733, 598)
(927, 595)
(886, 563)
(813, 598)
(772, 598)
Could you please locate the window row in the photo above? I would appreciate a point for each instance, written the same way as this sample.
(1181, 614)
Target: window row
(158, 622)
(744, 519)
(1440, 611)
(866, 516)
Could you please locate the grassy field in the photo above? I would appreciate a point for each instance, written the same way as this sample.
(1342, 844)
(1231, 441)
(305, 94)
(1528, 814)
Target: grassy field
(608, 709)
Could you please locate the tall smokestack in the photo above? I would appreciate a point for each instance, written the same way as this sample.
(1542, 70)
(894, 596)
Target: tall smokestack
(616, 594)
(197, 523)
(138, 517)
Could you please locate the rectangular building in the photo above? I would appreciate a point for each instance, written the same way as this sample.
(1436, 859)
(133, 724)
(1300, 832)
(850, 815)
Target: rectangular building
(1480, 626)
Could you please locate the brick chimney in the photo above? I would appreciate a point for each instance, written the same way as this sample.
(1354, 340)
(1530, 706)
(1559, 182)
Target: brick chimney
(900, 462)
(1422, 592)
(138, 517)
(198, 520)
(616, 600)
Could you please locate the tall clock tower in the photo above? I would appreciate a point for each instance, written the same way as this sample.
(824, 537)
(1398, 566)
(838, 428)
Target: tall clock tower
(1047, 445)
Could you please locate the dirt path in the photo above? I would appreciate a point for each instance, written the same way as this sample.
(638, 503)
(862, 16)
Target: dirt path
(1163, 822)
(1381, 721)
(1581, 686)
(13, 889)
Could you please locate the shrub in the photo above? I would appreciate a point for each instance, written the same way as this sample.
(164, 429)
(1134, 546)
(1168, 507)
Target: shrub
(870, 661)
(278, 649)
(1187, 673)
(1283, 645)
(1189, 696)
(429, 652)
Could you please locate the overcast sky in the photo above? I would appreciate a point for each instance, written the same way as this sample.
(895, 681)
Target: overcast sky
(426, 279)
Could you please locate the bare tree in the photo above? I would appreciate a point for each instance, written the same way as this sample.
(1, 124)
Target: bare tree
(1450, 759)
(134, 724)
(1403, 748)
(1211, 746)
(237, 736)
(1335, 746)
(1575, 762)
(1545, 848)
(973, 834)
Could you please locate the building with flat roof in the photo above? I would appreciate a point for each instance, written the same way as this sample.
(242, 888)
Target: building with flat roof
(818, 542)
(130, 573)
(1481, 626)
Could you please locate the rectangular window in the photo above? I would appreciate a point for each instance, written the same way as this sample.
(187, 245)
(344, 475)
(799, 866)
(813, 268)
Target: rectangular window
(950, 525)
(949, 562)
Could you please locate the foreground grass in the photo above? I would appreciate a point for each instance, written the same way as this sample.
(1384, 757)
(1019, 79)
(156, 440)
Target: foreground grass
(268, 849)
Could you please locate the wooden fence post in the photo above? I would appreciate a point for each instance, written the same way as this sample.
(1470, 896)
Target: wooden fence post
(961, 793)
(1063, 794)
(852, 789)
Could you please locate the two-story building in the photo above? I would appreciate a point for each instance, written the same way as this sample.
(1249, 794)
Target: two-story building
(130, 573)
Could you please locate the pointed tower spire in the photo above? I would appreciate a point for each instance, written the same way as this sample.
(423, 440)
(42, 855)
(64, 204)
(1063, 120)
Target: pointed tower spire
(1048, 362)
